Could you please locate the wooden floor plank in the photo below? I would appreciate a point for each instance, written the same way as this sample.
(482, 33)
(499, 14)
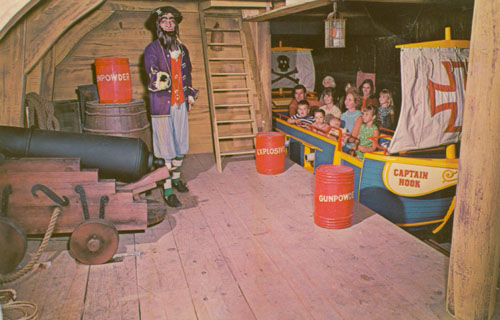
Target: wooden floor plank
(260, 267)
(162, 285)
(244, 246)
(57, 286)
(266, 291)
(432, 274)
(360, 291)
(112, 288)
(373, 249)
(215, 293)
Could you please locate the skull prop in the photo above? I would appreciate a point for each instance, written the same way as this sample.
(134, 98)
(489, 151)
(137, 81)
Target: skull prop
(283, 63)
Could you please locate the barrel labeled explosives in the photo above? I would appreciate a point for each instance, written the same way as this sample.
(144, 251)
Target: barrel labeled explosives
(333, 196)
(270, 152)
(114, 82)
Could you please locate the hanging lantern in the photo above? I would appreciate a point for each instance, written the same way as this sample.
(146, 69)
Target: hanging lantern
(217, 37)
(334, 30)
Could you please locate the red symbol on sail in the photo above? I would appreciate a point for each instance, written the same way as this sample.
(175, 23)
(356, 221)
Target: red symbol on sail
(451, 87)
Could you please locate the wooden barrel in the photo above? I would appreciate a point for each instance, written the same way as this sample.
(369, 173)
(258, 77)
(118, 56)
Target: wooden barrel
(129, 119)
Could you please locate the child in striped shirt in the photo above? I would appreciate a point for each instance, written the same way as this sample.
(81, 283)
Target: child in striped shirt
(302, 116)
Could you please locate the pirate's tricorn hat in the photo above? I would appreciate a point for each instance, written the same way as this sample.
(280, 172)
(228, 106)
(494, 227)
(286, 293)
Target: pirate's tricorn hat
(161, 11)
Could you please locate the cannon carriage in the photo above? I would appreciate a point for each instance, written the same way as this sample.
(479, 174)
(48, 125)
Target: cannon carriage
(91, 187)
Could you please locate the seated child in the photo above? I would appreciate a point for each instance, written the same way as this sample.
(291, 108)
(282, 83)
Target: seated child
(302, 116)
(386, 110)
(368, 129)
(336, 123)
(319, 122)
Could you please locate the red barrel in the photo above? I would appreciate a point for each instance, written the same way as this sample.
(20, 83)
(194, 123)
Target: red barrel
(114, 82)
(333, 196)
(270, 152)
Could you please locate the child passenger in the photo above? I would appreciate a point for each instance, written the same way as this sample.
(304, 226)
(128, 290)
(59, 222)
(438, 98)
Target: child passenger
(319, 122)
(336, 123)
(368, 129)
(302, 116)
(386, 110)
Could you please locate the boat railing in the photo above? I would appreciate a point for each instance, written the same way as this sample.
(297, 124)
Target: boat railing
(329, 132)
(377, 142)
(385, 130)
(336, 134)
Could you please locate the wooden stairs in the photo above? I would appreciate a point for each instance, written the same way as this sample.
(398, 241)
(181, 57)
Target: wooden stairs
(231, 89)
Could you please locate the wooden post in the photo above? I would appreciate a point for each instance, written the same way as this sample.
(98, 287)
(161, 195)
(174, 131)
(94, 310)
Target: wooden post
(475, 249)
(260, 58)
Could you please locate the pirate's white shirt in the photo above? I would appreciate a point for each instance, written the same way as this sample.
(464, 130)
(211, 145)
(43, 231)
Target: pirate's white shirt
(175, 54)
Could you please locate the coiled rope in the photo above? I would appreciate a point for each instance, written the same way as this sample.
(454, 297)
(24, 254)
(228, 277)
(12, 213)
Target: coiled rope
(9, 307)
(44, 110)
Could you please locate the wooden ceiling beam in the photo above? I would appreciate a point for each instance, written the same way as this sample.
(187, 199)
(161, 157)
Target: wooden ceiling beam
(313, 4)
(71, 38)
(397, 1)
(148, 6)
(46, 25)
(287, 10)
(12, 12)
(231, 4)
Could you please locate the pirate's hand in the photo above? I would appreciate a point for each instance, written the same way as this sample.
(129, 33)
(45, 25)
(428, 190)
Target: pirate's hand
(190, 102)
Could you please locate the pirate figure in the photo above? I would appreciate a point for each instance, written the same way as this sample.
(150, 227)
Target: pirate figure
(170, 96)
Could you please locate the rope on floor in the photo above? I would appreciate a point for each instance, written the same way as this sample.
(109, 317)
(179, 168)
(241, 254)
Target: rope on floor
(16, 310)
(27, 268)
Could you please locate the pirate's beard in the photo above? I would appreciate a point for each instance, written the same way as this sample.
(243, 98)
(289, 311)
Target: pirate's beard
(168, 39)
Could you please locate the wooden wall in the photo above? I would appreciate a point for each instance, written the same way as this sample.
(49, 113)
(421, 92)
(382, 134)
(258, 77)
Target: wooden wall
(26, 44)
(11, 82)
(52, 48)
(119, 30)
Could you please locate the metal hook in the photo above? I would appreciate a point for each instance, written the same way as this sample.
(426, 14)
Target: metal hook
(50, 194)
(7, 190)
(103, 202)
(83, 199)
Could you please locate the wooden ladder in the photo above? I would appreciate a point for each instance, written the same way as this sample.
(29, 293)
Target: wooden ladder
(229, 84)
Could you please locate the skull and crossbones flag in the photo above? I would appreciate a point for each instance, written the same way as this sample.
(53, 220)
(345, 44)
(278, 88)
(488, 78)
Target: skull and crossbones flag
(292, 66)
(433, 82)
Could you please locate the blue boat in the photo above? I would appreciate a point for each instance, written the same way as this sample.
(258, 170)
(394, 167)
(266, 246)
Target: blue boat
(411, 178)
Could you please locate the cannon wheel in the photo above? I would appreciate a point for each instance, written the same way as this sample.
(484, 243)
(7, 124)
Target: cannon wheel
(12, 245)
(94, 241)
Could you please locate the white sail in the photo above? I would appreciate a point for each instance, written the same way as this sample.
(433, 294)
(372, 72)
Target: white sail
(433, 82)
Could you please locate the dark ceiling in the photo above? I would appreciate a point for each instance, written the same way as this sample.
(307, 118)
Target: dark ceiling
(368, 18)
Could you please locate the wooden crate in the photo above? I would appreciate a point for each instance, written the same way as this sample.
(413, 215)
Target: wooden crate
(67, 113)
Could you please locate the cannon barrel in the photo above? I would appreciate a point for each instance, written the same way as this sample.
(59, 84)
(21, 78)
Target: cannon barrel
(124, 159)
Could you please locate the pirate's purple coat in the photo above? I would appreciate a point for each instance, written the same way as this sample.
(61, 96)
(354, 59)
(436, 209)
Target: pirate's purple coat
(155, 60)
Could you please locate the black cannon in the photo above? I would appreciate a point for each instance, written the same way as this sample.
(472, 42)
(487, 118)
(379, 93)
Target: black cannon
(120, 158)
